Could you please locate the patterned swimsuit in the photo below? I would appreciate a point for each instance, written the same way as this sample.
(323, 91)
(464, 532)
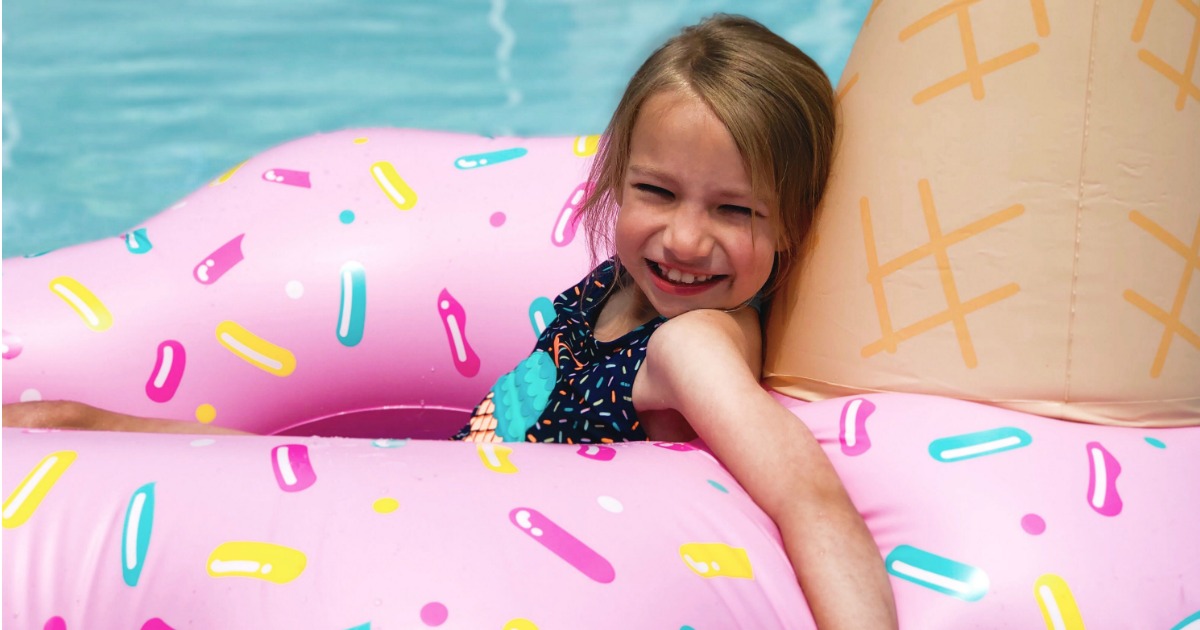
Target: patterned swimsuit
(573, 388)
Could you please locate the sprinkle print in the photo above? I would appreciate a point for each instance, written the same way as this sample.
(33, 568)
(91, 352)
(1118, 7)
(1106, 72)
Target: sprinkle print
(592, 401)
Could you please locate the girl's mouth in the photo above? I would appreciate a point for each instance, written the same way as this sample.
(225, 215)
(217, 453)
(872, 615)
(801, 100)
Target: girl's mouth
(677, 278)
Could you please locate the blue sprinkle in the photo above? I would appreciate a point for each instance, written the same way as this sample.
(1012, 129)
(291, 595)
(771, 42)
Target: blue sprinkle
(486, 159)
(139, 522)
(346, 217)
(136, 242)
(1156, 443)
(352, 310)
(541, 313)
(937, 573)
(978, 444)
(1187, 623)
(718, 486)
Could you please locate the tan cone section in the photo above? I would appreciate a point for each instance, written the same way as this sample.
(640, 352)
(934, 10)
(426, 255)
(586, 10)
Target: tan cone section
(1014, 215)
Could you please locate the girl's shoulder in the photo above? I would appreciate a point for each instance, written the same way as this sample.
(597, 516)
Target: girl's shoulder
(721, 349)
(688, 339)
(743, 325)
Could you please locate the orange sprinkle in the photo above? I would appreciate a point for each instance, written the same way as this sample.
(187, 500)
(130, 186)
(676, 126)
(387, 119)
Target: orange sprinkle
(606, 440)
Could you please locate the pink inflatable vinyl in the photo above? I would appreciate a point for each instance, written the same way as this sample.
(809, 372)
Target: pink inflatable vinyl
(350, 284)
(374, 266)
(1000, 519)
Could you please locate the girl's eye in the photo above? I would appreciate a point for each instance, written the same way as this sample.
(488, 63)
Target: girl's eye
(738, 210)
(654, 190)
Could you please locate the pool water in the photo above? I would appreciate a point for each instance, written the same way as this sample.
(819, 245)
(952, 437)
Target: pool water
(114, 110)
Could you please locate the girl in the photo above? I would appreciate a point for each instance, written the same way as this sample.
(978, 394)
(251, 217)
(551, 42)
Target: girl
(705, 188)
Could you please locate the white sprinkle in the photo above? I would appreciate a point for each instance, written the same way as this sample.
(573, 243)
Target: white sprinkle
(610, 504)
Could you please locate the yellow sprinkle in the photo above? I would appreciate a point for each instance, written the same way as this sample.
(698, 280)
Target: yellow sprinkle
(259, 560)
(520, 624)
(89, 307)
(1059, 609)
(496, 457)
(226, 175)
(386, 505)
(21, 504)
(255, 350)
(585, 146)
(717, 560)
(206, 413)
(394, 186)
(360, 141)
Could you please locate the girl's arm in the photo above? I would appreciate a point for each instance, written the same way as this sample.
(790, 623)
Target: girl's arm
(704, 364)
(74, 415)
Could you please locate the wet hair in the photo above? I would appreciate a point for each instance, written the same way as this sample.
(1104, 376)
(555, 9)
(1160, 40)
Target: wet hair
(775, 101)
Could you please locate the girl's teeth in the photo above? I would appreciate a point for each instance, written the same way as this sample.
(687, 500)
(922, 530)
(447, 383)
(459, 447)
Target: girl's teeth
(674, 275)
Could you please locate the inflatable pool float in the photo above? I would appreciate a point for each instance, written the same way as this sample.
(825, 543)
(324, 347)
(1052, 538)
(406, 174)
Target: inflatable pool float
(373, 283)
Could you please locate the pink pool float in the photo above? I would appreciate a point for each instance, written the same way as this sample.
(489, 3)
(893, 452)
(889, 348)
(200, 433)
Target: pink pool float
(993, 341)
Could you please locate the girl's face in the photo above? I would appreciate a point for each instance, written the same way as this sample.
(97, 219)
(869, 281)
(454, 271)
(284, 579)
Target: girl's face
(690, 232)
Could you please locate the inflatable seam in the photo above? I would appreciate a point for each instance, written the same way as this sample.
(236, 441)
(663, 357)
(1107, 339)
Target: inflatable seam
(1087, 114)
(781, 384)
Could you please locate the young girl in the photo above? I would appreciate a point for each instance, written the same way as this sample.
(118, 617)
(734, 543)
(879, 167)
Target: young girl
(705, 188)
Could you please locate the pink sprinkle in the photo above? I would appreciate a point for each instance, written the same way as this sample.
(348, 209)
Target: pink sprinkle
(155, 623)
(434, 614)
(12, 345)
(55, 623)
(498, 219)
(1033, 524)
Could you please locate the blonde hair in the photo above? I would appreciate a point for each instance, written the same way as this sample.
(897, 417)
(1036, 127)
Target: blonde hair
(775, 101)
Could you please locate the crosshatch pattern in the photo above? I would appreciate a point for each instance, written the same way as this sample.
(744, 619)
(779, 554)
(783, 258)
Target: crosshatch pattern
(1047, 259)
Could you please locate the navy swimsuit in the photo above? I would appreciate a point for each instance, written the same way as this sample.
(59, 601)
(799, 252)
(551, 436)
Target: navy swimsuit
(573, 389)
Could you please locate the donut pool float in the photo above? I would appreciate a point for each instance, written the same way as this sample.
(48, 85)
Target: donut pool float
(351, 296)
(997, 515)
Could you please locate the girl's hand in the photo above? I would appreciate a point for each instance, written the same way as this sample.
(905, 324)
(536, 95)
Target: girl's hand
(705, 364)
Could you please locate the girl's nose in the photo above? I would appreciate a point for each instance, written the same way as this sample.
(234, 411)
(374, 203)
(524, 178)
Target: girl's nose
(686, 236)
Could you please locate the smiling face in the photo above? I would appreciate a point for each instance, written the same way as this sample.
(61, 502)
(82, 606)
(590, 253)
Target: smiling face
(690, 231)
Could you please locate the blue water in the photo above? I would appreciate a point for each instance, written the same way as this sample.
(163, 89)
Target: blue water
(114, 110)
